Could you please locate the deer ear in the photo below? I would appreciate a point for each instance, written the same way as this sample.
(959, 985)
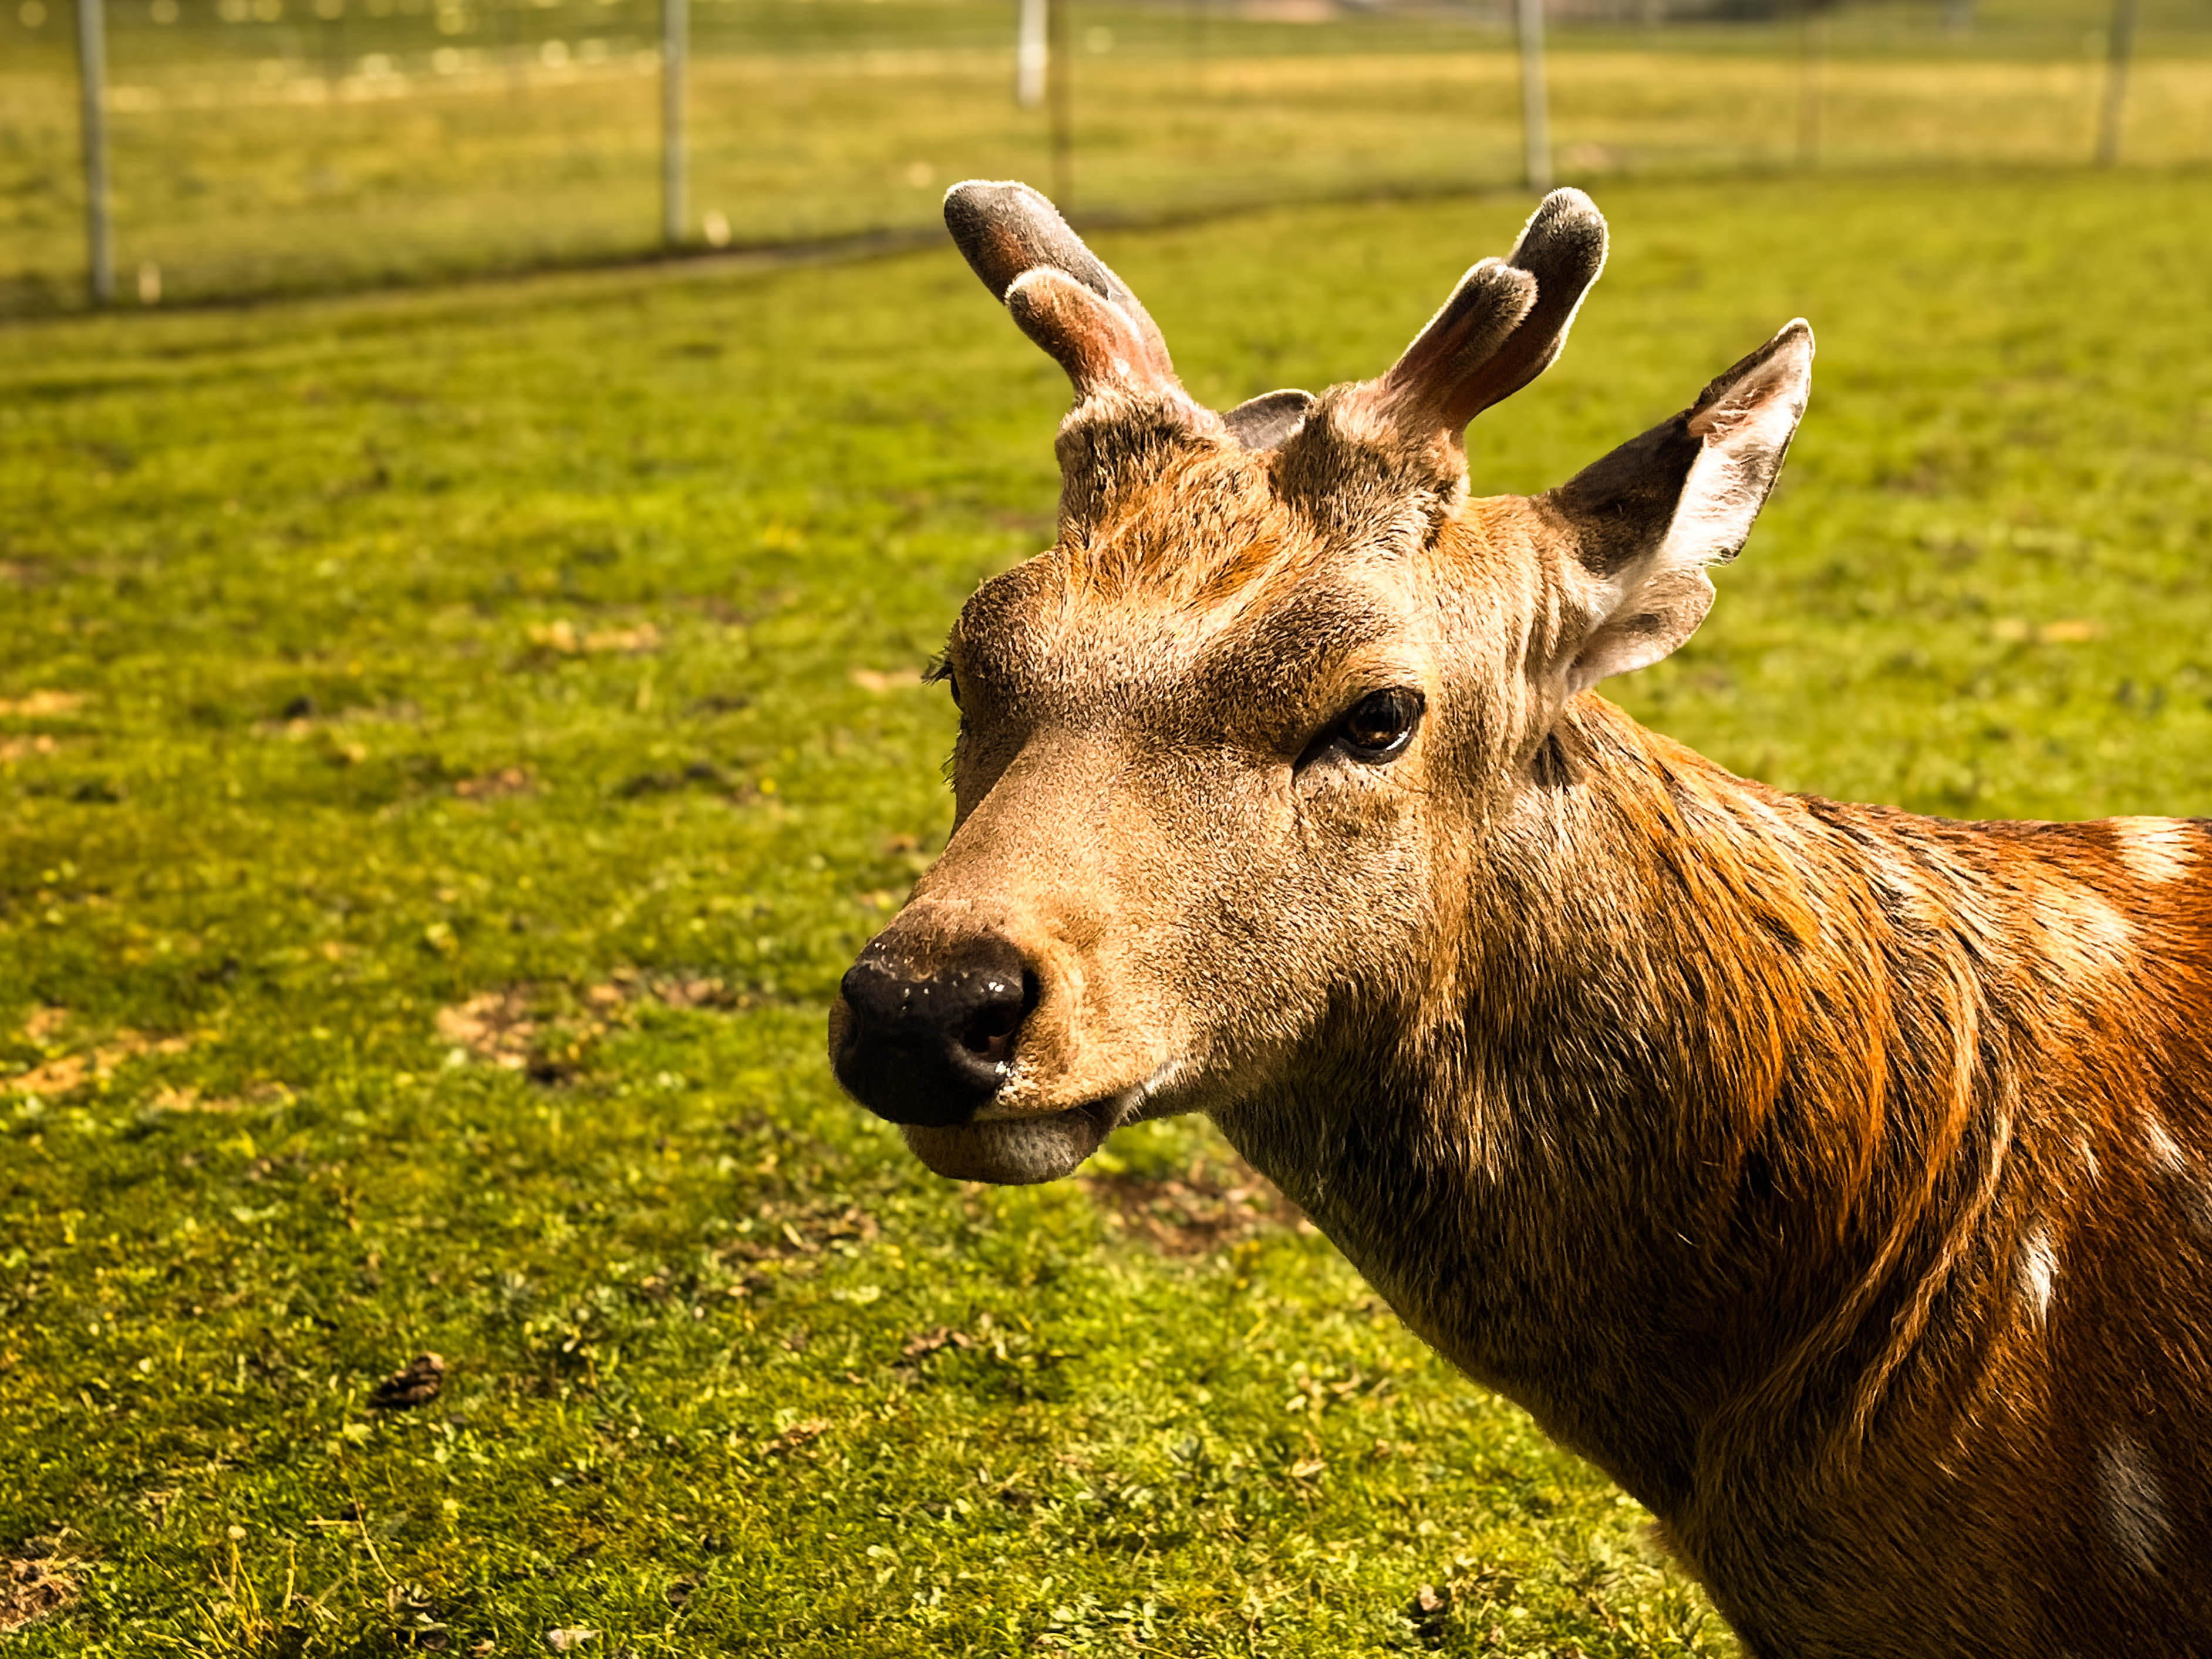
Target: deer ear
(1648, 519)
(1267, 421)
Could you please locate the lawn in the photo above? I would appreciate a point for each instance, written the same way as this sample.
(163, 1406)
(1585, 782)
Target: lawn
(450, 746)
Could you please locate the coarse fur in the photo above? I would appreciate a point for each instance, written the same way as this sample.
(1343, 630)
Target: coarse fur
(1837, 1179)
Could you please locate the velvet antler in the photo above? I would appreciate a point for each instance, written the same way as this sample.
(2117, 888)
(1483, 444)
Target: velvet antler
(1502, 326)
(1063, 296)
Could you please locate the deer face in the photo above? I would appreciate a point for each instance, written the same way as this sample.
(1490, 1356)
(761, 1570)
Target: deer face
(1229, 752)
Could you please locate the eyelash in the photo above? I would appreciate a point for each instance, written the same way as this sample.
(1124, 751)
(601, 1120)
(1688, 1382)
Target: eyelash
(940, 670)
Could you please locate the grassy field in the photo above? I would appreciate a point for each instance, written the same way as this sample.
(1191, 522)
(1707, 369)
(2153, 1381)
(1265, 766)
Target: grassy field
(299, 154)
(451, 745)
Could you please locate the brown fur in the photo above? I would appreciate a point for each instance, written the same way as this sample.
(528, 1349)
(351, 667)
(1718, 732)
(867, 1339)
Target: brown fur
(1837, 1179)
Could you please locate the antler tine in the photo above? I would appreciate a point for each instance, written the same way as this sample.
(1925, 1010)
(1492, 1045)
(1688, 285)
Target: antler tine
(1503, 323)
(1007, 230)
(1563, 246)
(1096, 341)
(1468, 330)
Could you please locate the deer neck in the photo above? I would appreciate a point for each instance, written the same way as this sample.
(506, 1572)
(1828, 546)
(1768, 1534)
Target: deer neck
(1678, 1141)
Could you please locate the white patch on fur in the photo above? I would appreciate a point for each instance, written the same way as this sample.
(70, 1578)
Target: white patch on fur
(2166, 1151)
(2038, 1268)
(2198, 1198)
(2172, 1160)
(2156, 850)
(2090, 1165)
(2132, 1503)
(2083, 932)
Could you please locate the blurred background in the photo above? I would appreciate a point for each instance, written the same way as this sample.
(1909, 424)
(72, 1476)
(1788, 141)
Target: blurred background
(258, 147)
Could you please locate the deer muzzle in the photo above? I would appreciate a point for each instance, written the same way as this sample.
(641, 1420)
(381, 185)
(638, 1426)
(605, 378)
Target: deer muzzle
(991, 1029)
(929, 1040)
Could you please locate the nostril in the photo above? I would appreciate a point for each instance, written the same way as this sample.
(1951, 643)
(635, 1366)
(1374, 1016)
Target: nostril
(989, 1034)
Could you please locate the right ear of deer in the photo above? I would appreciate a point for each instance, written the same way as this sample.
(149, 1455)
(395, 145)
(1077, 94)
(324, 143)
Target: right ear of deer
(1009, 232)
(1504, 323)
(1646, 520)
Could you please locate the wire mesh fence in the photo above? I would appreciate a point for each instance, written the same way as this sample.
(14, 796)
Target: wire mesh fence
(266, 146)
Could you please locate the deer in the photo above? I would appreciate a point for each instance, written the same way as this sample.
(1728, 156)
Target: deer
(1836, 1181)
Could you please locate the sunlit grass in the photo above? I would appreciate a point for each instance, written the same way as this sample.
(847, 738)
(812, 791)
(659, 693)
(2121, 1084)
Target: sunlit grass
(450, 746)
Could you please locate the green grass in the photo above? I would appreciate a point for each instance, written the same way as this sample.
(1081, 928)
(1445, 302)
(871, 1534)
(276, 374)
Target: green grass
(835, 117)
(382, 677)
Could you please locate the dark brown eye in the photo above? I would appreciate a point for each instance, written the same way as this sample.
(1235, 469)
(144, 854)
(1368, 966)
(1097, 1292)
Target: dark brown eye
(1380, 724)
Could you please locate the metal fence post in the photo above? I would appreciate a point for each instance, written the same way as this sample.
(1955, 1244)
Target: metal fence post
(2116, 84)
(675, 33)
(91, 77)
(1031, 54)
(1535, 118)
(1061, 68)
(1812, 80)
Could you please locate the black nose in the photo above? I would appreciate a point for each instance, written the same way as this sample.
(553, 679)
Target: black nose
(928, 1042)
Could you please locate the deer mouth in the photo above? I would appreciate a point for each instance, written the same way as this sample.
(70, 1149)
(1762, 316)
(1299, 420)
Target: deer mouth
(1018, 1151)
(1008, 1151)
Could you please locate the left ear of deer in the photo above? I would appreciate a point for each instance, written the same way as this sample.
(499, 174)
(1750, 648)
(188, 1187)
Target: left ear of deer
(1646, 520)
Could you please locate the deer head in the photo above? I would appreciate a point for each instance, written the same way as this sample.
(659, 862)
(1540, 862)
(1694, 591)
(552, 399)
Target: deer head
(1235, 754)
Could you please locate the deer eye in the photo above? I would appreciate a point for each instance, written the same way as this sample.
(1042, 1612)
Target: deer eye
(1380, 725)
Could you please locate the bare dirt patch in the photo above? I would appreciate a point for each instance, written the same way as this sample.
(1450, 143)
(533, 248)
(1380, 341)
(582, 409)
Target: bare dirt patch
(494, 1028)
(30, 1590)
(508, 781)
(780, 1231)
(564, 639)
(875, 680)
(42, 705)
(418, 1383)
(189, 1099)
(1219, 1199)
(548, 1030)
(65, 1073)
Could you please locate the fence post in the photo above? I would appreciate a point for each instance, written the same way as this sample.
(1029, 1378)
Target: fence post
(92, 79)
(2115, 82)
(1031, 54)
(674, 31)
(1060, 69)
(1535, 120)
(1812, 79)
